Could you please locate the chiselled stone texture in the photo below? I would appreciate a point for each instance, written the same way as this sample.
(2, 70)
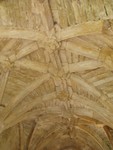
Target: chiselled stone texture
(56, 75)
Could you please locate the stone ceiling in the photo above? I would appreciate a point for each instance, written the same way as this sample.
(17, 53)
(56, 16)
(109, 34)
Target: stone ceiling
(56, 75)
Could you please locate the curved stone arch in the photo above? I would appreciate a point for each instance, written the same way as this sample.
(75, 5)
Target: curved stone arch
(81, 109)
(56, 133)
(60, 124)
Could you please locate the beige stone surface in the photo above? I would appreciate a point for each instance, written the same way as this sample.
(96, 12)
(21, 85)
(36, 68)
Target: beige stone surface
(56, 75)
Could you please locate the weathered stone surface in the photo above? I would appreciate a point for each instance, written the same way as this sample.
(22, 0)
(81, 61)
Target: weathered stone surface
(56, 74)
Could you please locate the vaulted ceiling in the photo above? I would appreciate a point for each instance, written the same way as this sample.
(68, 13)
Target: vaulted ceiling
(56, 74)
